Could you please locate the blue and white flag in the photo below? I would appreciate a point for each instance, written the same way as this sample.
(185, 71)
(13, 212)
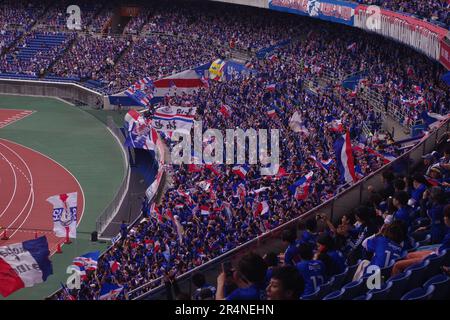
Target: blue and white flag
(64, 214)
(432, 120)
(137, 95)
(24, 264)
(110, 291)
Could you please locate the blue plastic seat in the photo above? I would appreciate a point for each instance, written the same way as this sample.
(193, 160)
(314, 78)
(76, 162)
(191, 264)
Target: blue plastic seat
(335, 295)
(367, 296)
(383, 293)
(441, 285)
(418, 274)
(326, 288)
(419, 294)
(353, 289)
(436, 261)
(425, 241)
(312, 296)
(350, 273)
(386, 271)
(338, 280)
(399, 285)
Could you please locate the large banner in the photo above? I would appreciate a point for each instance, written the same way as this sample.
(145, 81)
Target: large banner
(173, 118)
(421, 35)
(330, 10)
(444, 59)
(64, 214)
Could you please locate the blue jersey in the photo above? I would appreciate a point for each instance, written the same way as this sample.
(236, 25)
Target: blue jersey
(290, 255)
(416, 194)
(252, 292)
(403, 214)
(446, 242)
(338, 261)
(438, 228)
(385, 251)
(313, 273)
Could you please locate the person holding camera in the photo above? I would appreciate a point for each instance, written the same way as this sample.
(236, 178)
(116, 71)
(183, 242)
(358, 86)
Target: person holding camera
(249, 278)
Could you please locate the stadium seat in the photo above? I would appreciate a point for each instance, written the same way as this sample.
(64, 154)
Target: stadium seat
(335, 295)
(399, 283)
(350, 273)
(426, 241)
(441, 285)
(338, 280)
(353, 289)
(367, 296)
(312, 296)
(436, 261)
(419, 294)
(382, 293)
(414, 247)
(418, 273)
(326, 288)
(386, 272)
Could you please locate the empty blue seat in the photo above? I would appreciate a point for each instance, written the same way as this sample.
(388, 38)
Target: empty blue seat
(399, 285)
(338, 280)
(441, 285)
(436, 261)
(426, 241)
(418, 274)
(367, 296)
(419, 294)
(386, 271)
(336, 295)
(350, 273)
(383, 293)
(353, 289)
(326, 288)
(312, 296)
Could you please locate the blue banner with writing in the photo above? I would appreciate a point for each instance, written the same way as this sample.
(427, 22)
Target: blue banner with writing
(330, 10)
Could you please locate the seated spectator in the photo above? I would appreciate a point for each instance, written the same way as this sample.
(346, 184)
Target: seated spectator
(418, 256)
(285, 284)
(333, 259)
(312, 271)
(249, 277)
(199, 282)
(404, 212)
(291, 253)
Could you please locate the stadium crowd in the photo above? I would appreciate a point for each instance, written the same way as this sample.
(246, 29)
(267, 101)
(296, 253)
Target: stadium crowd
(431, 10)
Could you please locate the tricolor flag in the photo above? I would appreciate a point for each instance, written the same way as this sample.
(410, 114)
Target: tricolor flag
(261, 208)
(114, 265)
(343, 150)
(205, 184)
(352, 46)
(130, 118)
(271, 87)
(225, 110)
(336, 125)
(137, 95)
(24, 264)
(64, 214)
(204, 81)
(241, 171)
(204, 210)
(110, 291)
(300, 189)
(272, 113)
(326, 164)
(433, 119)
(87, 261)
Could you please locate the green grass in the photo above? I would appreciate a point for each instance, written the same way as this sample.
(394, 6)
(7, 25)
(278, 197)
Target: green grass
(82, 144)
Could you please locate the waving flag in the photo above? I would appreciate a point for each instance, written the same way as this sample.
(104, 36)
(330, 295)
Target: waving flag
(114, 265)
(87, 261)
(204, 210)
(271, 87)
(110, 291)
(300, 189)
(241, 171)
(137, 95)
(225, 110)
(173, 118)
(326, 164)
(261, 208)
(216, 69)
(432, 119)
(24, 264)
(335, 125)
(272, 113)
(351, 47)
(64, 214)
(344, 156)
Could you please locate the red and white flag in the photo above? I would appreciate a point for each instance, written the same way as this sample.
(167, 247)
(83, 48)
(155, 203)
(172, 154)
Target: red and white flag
(64, 214)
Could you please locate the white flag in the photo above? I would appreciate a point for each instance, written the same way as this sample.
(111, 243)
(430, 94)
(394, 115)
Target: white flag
(64, 214)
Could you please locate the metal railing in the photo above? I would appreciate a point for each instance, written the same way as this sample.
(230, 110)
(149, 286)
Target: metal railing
(334, 208)
(111, 210)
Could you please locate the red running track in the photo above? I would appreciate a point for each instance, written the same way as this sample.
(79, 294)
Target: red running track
(27, 179)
